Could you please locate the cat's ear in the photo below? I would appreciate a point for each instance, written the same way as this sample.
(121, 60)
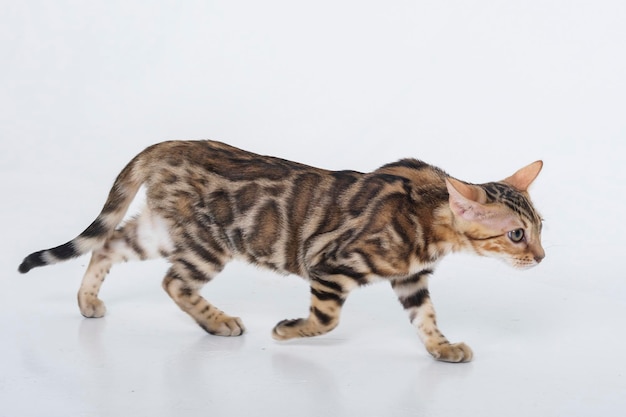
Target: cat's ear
(469, 202)
(522, 179)
(466, 201)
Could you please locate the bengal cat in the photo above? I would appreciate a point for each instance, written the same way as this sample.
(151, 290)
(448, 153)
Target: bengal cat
(208, 203)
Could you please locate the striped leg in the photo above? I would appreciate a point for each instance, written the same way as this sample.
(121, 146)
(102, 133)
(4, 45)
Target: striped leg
(183, 282)
(415, 298)
(327, 298)
(138, 239)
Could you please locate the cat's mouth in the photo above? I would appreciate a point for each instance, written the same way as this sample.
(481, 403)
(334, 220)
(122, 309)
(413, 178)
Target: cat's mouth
(520, 264)
(523, 264)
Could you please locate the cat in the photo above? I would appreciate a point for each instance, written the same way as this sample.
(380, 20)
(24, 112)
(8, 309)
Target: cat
(208, 202)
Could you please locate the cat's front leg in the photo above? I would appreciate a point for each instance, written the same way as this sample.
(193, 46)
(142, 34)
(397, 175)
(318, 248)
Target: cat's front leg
(327, 297)
(415, 298)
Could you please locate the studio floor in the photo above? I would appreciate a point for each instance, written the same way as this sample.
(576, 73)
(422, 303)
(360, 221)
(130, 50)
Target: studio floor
(539, 350)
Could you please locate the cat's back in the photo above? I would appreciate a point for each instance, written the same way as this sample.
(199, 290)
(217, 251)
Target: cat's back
(217, 158)
(415, 170)
(208, 166)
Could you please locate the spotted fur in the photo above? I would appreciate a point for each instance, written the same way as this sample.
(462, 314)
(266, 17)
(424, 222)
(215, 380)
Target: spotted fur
(208, 203)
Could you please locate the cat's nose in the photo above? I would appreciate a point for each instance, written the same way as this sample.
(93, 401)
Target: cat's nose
(539, 255)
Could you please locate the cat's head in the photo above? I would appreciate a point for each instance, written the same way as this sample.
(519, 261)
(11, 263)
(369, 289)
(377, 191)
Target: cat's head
(498, 218)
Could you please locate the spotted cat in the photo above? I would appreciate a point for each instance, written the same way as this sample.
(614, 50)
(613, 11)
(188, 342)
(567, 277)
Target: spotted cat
(208, 203)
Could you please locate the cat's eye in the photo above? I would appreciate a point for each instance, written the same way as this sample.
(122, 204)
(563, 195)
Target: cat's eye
(516, 235)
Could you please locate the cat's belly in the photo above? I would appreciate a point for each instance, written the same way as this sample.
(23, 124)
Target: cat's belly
(153, 234)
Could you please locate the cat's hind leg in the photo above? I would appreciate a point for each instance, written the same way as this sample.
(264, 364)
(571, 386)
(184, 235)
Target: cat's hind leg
(189, 272)
(327, 297)
(415, 298)
(143, 237)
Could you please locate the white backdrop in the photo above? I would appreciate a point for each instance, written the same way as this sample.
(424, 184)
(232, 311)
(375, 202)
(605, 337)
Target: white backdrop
(478, 88)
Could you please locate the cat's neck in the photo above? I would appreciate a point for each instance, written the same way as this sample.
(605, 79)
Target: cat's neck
(447, 235)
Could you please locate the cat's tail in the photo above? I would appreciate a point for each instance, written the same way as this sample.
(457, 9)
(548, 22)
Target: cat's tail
(122, 193)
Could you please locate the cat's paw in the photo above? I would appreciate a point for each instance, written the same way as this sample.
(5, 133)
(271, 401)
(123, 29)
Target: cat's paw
(457, 352)
(284, 330)
(91, 307)
(224, 326)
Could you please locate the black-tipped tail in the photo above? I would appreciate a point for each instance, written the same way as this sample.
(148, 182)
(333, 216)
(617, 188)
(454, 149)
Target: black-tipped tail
(32, 261)
(46, 257)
